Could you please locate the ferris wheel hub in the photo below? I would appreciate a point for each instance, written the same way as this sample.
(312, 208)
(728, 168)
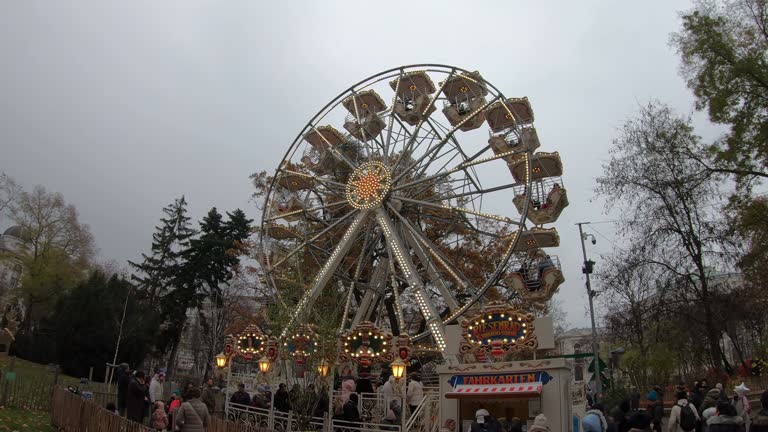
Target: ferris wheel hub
(368, 185)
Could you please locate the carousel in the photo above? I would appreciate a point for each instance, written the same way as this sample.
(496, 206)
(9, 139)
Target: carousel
(410, 216)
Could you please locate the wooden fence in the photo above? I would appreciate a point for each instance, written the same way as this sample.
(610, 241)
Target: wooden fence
(31, 393)
(72, 413)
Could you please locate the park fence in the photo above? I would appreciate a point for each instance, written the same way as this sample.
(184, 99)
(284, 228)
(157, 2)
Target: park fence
(72, 413)
(32, 393)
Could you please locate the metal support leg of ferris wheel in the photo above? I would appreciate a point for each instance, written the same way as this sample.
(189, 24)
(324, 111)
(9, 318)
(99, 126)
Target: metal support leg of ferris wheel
(327, 271)
(428, 310)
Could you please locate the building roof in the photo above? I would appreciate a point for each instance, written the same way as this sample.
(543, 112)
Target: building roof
(18, 232)
(579, 332)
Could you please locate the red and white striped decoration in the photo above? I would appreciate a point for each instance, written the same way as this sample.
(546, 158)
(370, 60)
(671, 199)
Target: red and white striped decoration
(497, 389)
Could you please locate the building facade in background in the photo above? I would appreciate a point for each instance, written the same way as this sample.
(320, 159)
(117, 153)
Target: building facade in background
(12, 244)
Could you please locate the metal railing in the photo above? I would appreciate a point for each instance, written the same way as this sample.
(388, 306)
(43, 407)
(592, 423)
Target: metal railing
(288, 422)
(345, 426)
(426, 416)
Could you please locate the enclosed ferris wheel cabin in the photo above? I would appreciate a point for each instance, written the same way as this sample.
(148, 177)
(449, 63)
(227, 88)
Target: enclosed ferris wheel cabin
(464, 100)
(413, 102)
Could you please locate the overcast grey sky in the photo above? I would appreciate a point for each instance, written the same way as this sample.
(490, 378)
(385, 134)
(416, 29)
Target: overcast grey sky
(123, 106)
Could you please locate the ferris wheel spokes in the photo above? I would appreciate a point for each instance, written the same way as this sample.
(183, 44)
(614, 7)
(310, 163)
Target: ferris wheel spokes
(442, 142)
(334, 149)
(456, 274)
(375, 290)
(328, 268)
(308, 242)
(424, 115)
(432, 271)
(428, 311)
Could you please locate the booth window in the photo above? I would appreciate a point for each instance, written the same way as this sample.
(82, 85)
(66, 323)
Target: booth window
(578, 373)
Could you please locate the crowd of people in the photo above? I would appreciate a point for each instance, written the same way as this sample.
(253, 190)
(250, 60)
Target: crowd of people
(700, 409)
(143, 401)
(314, 402)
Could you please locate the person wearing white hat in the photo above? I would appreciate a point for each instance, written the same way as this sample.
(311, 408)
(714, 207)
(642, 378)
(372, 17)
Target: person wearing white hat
(484, 422)
(539, 424)
(743, 409)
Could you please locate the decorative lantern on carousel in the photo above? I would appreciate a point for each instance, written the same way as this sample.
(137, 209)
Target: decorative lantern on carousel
(322, 368)
(264, 364)
(221, 361)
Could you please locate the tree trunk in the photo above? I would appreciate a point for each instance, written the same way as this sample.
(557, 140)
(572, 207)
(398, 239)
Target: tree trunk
(174, 352)
(712, 336)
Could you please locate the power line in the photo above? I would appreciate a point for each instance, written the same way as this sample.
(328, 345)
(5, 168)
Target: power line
(605, 237)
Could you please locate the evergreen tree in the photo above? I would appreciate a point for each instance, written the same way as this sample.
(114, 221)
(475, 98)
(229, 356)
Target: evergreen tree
(163, 280)
(212, 257)
(159, 271)
(87, 321)
(212, 261)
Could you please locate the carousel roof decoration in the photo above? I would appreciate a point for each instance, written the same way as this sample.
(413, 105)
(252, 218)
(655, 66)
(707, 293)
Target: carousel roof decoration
(366, 344)
(250, 344)
(302, 343)
(391, 203)
(496, 331)
(251, 341)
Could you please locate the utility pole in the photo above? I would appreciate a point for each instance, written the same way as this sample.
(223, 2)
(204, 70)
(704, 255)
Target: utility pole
(110, 371)
(587, 270)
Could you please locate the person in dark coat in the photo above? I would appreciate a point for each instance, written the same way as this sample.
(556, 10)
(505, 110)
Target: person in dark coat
(726, 419)
(137, 398)
(282, 399)
(321, 407)
(655, 409)
(697, 396)
(760, 420)
(240, 396)
(710, 400)
(619, 416)
(209, 396)
(351, 413)
(123, 379)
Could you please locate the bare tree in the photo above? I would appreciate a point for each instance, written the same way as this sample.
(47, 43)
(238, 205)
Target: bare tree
(634, 297)
(669, 211)
(9, 192)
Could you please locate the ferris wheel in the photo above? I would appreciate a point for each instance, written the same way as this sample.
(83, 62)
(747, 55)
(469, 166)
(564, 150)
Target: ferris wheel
(396, 202)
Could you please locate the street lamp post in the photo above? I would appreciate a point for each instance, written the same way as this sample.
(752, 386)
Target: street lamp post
(398, 371)
(587, 269)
